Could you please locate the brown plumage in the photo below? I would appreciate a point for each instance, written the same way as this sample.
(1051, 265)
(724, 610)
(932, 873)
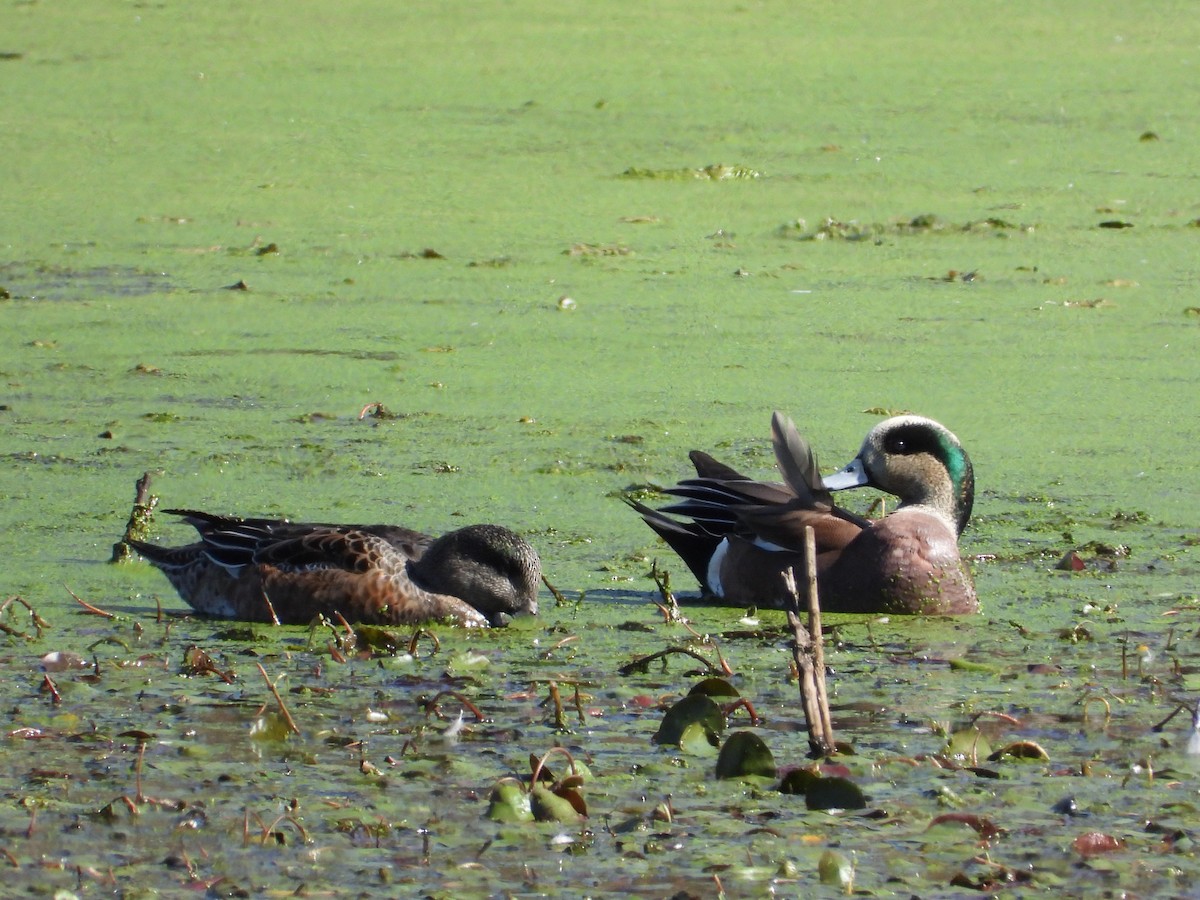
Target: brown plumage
(264, 570)
(744, 534)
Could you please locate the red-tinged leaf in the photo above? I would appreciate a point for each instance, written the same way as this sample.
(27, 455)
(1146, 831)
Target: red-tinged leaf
(984, 827)
(574, 798)
(1096, 843)
(549, 807)
(1071, 562)
(835, 770)
(62, 660)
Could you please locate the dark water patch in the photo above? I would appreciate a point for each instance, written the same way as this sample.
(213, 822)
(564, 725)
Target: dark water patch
(382, 355)
(45, 281)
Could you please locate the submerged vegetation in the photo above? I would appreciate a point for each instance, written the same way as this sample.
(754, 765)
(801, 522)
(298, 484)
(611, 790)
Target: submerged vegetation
(172, 752)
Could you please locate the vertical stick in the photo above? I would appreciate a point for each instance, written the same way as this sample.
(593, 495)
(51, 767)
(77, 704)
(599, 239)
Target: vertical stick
(809, 654)
(816, 634)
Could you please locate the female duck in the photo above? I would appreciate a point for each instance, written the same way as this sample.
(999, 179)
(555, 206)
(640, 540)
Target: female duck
(265, 570)
(743, 534)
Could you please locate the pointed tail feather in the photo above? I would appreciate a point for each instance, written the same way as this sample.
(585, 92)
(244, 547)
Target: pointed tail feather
(691, 542)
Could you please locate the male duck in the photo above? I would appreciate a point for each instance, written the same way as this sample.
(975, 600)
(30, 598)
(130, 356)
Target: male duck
(744, 534)
(264, 570)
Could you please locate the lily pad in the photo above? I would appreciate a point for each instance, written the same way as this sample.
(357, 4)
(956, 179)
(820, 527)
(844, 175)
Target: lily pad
(1021, 750)
(834, 793)
(697, 739)
(509, 802)
(714, 687)
(836, 869)
(693, 710)
(968, 745)
(743, 754)
(548, 806)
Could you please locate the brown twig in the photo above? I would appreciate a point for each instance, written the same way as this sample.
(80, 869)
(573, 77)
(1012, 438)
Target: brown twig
(541, 763)
(559, 599)
(579, 706)
(809, 654)
(38, 622)
(49, 685)
(569, 639)
(556, 698)
(285, 817)
(640, 664)
(743, 703)
(818, 636)
(270, 607)
(431, 706)
(287, 716)
(416, 638)
(94, 610)
(669, 606)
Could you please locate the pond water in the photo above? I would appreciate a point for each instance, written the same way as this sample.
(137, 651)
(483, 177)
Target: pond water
(562, 247)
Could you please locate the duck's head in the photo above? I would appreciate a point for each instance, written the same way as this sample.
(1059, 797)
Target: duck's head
(493, 569)
(920, 461)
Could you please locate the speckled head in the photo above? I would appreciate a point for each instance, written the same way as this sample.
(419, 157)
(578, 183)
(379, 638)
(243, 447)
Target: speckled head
(492, 568)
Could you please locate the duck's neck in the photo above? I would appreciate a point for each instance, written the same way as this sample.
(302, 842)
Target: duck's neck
(953, 495)
(948, 494)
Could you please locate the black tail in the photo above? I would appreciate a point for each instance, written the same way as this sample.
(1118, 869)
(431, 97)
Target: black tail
(690, 541)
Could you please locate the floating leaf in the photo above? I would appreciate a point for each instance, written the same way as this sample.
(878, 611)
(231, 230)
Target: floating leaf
(548, 806)
(1095, 843)
(834, 793)
(968, 665)
(796, 781)
(697, 739)
(62, 660)
(575, 768)
(382, 640)
(691, 710)
(1071, 562)
(1022, 750)
(508, 802)
(984, 827)
(968, 745)
(714, 687)
(744, 754)
(836, 869)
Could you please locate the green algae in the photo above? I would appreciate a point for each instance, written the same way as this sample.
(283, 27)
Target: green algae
(423, 175)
